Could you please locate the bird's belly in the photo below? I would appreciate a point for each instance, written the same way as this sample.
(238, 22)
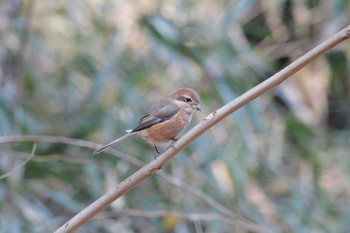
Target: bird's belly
(164, 132)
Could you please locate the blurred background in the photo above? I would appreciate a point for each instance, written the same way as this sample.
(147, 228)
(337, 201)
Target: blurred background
(89, 69)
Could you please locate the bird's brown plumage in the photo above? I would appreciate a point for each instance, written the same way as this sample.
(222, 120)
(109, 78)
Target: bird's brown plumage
(165, 119)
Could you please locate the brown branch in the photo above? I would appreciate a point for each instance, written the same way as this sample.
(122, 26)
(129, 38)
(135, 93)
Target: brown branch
(211, 120)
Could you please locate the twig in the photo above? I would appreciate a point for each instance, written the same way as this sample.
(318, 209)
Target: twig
(211, 120)
(20, 165)
(198, 193)
(67, 141)
(225, 212)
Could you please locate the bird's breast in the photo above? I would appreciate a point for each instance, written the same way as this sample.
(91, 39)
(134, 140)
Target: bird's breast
(167, 130)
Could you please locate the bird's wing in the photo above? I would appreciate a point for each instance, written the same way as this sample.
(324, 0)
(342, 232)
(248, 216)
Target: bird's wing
(161, 111)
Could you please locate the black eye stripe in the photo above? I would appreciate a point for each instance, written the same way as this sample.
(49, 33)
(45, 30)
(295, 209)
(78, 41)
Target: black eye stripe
(187, 99)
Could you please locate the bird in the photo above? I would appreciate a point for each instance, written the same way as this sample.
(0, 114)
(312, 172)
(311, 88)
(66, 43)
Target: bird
(164, 120)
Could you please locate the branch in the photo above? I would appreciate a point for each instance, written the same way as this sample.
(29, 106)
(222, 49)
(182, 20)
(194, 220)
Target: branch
(198, 193)
(20, 165)
(211, 120)
(68, 141)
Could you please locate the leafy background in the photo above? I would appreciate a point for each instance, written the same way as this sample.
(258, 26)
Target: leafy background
(89, 69)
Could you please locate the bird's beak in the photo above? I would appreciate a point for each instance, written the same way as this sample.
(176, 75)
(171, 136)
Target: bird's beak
(198, 108)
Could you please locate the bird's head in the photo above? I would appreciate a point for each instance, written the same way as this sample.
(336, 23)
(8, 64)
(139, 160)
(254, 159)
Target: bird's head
(188, 98)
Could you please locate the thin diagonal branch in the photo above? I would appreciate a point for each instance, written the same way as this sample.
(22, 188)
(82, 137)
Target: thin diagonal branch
(211, 120)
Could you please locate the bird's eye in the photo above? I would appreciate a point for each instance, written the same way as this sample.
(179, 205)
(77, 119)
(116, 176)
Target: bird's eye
(187, 99)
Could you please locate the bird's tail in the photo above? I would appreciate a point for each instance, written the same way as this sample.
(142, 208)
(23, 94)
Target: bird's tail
(120, 139)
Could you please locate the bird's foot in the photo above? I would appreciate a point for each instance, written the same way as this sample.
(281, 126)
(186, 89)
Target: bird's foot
(174, 140)
(156, 155)
(157, 152)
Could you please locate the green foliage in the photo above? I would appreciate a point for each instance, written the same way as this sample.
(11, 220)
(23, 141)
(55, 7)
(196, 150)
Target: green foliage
(89, 69)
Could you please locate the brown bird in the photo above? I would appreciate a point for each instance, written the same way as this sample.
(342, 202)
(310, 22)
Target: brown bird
(164, 120)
